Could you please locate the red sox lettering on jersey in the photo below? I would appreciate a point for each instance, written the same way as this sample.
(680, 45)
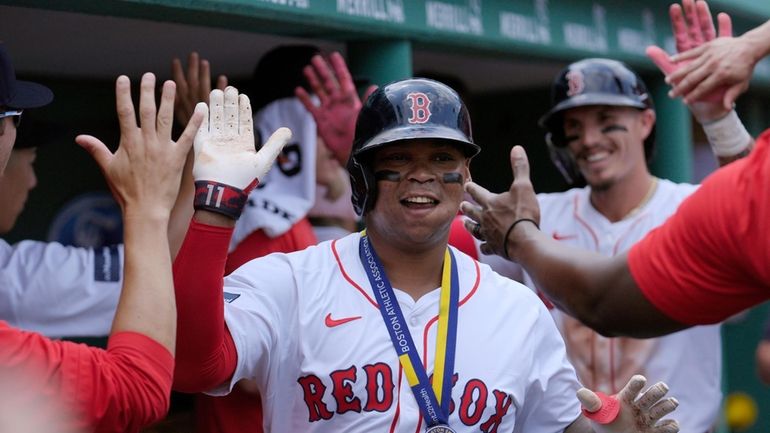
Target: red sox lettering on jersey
(379, 396)
(338, 366)
(419, 103)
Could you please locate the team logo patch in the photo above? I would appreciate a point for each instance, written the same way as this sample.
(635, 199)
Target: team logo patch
(230, 297)
(575, 83)
(107, 264)
(419, 103)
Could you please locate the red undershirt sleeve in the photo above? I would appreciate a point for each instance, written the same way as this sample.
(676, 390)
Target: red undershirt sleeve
(206, 355)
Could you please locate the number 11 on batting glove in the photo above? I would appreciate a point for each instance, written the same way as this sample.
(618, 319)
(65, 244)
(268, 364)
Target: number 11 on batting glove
(630, 410)
(227, 166)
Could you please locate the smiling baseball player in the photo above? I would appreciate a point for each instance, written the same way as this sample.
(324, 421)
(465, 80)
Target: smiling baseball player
(601, 129)
(346, 335)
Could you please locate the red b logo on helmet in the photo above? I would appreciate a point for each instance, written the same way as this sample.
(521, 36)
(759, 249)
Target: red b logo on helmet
(575, 83)
(419, 104)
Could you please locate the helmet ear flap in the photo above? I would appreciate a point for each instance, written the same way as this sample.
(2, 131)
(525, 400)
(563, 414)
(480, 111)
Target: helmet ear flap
(562, 158)
(362, 184)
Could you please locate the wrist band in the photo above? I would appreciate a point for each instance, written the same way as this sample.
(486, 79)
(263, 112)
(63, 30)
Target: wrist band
(727, 136)
(510, 229)
(607, 413)
(220, 198)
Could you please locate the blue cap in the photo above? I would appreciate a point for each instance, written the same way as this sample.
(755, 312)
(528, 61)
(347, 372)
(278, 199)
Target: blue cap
(19, 94)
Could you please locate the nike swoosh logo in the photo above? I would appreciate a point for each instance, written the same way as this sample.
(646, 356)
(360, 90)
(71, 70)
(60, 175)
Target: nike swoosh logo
(560, 237)
(331, 323)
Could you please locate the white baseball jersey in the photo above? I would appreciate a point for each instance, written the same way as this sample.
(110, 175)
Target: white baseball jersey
(60, 291)
(308, 331)
(689, 361)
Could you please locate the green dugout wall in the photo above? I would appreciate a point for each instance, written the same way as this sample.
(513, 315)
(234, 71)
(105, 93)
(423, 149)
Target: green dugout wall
(506, 51)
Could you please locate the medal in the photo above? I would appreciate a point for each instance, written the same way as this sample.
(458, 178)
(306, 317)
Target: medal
(439, 429)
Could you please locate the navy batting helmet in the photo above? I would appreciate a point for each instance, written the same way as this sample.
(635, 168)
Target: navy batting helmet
(416, 108)
(591, 82)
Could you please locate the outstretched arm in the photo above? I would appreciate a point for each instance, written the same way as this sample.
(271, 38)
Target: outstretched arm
(144, 175)
(226, 169)
(597, 290)
(127, 386)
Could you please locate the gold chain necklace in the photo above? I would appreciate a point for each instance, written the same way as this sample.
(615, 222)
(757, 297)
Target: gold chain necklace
(645, 200)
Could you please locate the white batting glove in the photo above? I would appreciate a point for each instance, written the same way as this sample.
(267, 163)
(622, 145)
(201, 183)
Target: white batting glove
(625, 413)
(227, 166)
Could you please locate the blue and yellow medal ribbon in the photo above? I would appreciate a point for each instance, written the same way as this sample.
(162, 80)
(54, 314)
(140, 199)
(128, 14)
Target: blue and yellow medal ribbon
(433, 401)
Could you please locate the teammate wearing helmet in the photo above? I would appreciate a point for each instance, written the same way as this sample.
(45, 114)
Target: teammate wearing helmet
(601, 128)
(346, 335)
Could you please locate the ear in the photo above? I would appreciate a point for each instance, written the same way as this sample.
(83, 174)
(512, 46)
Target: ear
(647, 120)
(467, 170)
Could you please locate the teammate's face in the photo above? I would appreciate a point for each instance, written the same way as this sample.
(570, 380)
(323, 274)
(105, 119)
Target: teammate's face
(7, 138)
(607, 142)
(15, 184)
(419, 191)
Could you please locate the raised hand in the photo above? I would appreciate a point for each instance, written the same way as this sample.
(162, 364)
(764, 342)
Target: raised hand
(227, 166)
(496, 215)
(338, 102)
(630, 410)
(194, 86)
(693, 28)
(144, 173)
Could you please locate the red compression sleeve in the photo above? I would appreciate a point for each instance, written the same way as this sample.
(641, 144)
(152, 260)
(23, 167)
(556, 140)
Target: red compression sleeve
(206, 355)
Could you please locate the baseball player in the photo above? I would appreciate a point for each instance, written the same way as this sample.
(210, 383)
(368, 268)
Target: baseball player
(127, 386)
(84, 282)
(345, 336)
(601, 129)
(707, 262)
(274, 218)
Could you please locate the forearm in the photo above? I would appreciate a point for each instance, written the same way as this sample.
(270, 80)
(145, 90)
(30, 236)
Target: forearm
(597, 290)
(204, 357)
(183, 210)
(571, 278)
(726, 134)
(759, 40)
(146, 304)
(724, 160)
